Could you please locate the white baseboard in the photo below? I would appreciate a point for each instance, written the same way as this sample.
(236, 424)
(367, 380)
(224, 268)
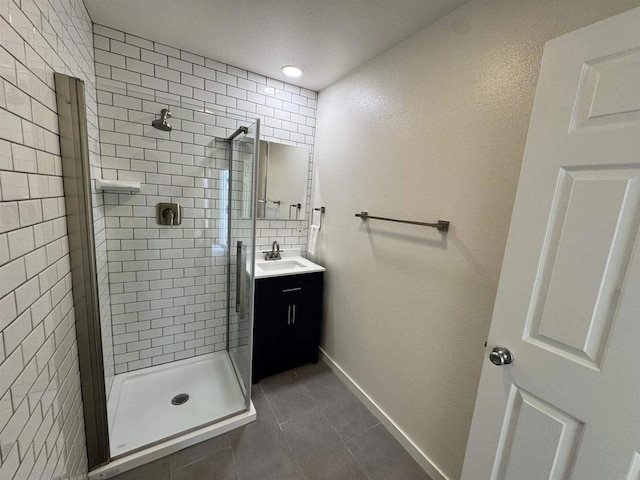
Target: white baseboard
(418, 455)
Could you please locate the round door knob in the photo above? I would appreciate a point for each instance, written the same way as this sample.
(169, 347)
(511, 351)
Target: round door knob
(501, 356)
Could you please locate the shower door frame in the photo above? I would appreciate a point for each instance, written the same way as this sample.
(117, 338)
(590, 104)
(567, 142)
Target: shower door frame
(76, 171)
(245, 385)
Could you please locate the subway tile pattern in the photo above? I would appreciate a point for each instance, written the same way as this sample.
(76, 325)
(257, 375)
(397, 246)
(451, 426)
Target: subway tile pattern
(41, 418)
(137, 78)
(167, 284)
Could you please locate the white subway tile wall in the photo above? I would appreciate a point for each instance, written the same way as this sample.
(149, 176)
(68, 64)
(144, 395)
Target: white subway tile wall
(41, 419)
(168, 292)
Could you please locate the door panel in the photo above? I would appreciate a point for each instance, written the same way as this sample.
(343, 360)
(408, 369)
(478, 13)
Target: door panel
(584, 259)
(242, 220)
(534, 425)
(568, 301)
(606, 96)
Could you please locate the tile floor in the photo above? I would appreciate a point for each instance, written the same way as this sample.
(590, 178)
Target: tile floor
(309, 427)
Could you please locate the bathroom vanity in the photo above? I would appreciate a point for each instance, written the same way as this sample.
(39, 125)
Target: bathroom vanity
(288, 314)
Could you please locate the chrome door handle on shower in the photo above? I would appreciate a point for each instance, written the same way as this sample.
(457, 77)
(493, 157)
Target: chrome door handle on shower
(241, 284)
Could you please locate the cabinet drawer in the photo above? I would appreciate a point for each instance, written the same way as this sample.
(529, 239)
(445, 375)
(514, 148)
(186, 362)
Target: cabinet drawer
(289, 284)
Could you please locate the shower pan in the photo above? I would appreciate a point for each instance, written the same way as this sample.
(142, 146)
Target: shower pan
(169, 363)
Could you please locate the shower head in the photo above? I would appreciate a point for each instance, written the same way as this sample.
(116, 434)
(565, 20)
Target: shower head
(161, 123)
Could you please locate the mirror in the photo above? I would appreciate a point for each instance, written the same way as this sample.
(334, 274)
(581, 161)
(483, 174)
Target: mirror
(283, 171)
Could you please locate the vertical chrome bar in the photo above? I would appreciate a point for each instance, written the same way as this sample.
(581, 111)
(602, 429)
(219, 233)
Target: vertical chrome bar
(294, 314)
(241, 282)
(288, 314)
(238, 276)
(266, 175)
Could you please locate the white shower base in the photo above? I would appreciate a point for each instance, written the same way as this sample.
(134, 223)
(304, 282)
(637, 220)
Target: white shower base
(140, 409)
(160, 450)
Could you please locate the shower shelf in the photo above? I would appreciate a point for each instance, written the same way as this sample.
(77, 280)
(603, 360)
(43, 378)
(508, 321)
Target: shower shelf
(117, 186)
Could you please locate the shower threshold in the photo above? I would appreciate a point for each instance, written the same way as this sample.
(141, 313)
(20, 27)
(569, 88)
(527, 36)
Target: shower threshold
(149, 407)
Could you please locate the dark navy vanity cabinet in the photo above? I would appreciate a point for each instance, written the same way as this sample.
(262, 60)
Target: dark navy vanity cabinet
(287, 318)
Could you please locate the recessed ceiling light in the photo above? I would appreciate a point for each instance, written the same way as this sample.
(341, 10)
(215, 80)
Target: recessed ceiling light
(292, 71)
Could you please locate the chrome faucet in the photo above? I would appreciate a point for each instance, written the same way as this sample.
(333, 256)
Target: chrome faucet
(274, 254)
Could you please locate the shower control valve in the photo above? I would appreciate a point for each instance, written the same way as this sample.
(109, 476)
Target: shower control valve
(169, 214)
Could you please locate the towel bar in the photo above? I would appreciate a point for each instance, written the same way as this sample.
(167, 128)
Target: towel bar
(442, 225)
(321, 210)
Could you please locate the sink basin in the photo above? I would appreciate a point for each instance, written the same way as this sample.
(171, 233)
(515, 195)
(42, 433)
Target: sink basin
(273, 265)
(290, 264)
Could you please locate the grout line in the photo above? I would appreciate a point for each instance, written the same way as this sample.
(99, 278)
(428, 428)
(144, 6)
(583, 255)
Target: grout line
(295, 458)
(344, 445)
(362, 469)
(233, 459)
(365, 431)
(297, 416)
(293, 455)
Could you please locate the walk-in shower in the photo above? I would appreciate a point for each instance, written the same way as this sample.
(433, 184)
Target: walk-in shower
(168, 363)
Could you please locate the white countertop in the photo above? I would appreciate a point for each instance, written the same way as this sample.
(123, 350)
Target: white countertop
(291, 263)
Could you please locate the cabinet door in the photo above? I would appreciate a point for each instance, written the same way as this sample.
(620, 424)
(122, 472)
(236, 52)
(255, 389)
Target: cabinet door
(298, 339)
(269, 330)
(301, 339)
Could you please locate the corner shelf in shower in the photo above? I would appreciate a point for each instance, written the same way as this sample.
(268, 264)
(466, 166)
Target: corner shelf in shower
(117, 186)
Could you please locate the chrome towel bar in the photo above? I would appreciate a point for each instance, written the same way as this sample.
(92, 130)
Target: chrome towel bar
(442, 225)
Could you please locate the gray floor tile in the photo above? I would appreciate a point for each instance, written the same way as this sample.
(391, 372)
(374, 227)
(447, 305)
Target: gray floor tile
(310, 431)
(256, 390)
(260, 450)
(319, 450)
(322, 384)
(349, 418)
(383, 458)
(219, 466)
(158, 470)
(287, 396)
(199, 451)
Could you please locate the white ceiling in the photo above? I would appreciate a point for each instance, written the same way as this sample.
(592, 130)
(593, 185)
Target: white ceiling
(329, 38)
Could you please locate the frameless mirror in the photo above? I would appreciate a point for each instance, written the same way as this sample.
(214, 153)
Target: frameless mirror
(283, 171)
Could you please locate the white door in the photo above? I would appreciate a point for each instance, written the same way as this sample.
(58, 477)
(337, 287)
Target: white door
(568, 303)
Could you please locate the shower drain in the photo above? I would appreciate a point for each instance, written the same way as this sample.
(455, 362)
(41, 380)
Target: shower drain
(180, 399)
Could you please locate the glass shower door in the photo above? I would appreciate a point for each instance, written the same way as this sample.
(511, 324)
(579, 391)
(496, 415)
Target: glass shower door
(242, 218)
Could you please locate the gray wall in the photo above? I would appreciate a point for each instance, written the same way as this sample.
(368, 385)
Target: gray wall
(434, 128)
